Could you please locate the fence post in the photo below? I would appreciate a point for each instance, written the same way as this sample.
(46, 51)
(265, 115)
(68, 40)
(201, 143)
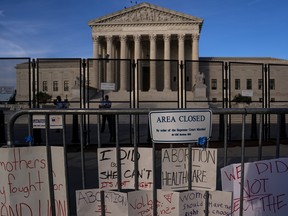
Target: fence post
(2, 127)
(253, 127)
(75, 135)
(221, 127)
(283, 126)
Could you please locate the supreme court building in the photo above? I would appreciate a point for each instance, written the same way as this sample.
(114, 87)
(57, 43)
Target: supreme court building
(153, 52)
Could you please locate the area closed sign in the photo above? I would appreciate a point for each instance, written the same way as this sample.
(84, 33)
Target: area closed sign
(180, 126)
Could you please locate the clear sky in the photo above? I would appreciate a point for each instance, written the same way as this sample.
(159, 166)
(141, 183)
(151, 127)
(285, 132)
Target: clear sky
(59, 28)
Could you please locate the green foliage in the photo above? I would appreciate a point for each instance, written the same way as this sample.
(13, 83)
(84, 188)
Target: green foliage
(241, 99)
(12, 99)
(43, 97)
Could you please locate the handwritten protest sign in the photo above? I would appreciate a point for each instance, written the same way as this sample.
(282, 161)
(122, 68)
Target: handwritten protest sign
(24, 185)
(141, 203)
(107, 168)
(89, 203)
(181, 126)
(193, 203)
(175, 168)
(265, 192)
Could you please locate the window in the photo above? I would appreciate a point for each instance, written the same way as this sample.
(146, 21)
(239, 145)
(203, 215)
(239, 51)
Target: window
(45, 86)
(272, 84)
(249, 84)
(214, 100)
(214, 84)
(237, 84)
(55, 85)
(260, 84)
(66, 85)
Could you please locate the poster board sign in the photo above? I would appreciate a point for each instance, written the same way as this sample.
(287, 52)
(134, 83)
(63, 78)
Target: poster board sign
(141, 203)
(180, 126)
(175, 166)
(194, 202)
(265, 192)
(247, 93)
(107, 86)
(24, 185)
(107, 168)
(88, 203)
(55, 121)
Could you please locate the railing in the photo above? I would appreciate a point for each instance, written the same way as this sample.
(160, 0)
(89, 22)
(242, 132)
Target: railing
(134, 117)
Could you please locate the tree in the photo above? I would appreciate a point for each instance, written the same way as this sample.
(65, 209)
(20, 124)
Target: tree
(241, 99)
(43, 97)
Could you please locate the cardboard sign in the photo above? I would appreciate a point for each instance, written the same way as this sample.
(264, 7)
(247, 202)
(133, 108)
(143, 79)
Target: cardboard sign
(175, 166)
(107, 168)
(181, 126)
(24, 185)
(89, 203)
(141, 203)
(194, 202)
(265, 192)
(55, 121)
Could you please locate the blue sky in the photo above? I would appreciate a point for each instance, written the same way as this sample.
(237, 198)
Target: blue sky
(59, 28)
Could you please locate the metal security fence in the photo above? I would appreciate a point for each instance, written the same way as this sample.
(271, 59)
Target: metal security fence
(81, 160)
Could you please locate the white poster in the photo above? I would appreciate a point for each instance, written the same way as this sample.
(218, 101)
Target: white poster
(89, 203)
(265, 192)
(175, 169)
(194, 203)
(55, 121)
(107, 168)
(181, 126)
(24, 185)
(141, 203)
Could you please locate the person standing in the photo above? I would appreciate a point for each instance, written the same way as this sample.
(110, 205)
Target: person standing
(105, 104)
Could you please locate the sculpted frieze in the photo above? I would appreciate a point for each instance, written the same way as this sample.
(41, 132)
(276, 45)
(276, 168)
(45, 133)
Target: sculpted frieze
(146, 15)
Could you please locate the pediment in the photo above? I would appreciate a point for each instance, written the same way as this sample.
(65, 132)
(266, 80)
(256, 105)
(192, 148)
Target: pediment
(145, 13)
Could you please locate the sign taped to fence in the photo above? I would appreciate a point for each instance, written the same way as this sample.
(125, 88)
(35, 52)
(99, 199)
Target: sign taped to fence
(107, 168)
(180, 126)
(193, 203)
(24, 185)
(55, 121)
(175, 166)
(265, 192)
(88, 203)
(141, 203)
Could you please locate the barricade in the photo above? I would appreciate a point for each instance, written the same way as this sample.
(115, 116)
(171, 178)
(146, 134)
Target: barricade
(142, 180)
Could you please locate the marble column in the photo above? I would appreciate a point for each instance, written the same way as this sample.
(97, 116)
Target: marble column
(181, 56)
(123, 72)
(152, 62)
(95, 76)
(109, 77)
(167, 57)
(137, 39)
(181, 50)
(195, 57)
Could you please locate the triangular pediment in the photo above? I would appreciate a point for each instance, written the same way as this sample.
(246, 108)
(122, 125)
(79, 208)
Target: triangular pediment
(145, 13)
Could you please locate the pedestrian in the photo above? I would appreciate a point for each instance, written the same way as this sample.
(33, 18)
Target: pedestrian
(106, 104)
(60, 104)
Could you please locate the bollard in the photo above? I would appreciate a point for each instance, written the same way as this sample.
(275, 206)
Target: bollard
(2, 127)
(75, 135)
(253, 127)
